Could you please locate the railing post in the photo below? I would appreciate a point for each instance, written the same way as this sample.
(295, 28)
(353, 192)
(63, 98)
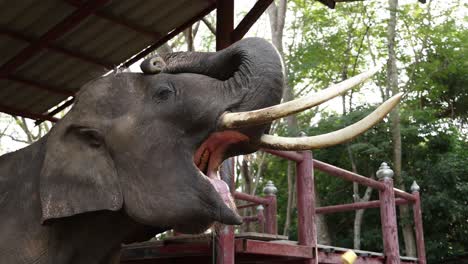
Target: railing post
(225, 245)
(305, 187)
(270, 212)
(418, 226)
(388, 215)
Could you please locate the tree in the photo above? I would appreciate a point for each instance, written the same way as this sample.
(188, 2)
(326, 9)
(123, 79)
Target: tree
(23, 131)
(392, 87)
(277, 15)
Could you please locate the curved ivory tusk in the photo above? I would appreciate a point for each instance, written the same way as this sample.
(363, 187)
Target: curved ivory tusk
(332, 138)
(268, 114)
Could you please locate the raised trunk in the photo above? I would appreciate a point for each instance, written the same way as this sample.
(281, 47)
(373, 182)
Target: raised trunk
(392, 78)
(246, 71)
(247, 68)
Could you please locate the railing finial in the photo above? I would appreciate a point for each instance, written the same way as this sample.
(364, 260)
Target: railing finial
(384, 171)
(415, 187)
(260, 208)
(270, 188)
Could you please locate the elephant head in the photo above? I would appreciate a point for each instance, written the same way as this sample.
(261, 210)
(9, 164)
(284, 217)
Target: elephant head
(150, 143)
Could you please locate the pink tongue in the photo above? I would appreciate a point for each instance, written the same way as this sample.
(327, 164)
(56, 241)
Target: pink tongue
(223, 190)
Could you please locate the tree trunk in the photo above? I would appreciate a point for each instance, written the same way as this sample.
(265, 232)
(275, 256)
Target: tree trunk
(277, 15)
(189, 38)
(359, 214)
(291, 193)
(392, 86)
(260, 160)
(29, 135)
(209, 25)
(163, 49)
(245, 172)
(247, 188)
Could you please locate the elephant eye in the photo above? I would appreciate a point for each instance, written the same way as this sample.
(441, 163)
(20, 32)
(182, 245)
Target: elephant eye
(162, 94)
(92, 136)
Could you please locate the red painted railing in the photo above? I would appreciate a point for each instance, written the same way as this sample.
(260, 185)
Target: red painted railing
(389, 197)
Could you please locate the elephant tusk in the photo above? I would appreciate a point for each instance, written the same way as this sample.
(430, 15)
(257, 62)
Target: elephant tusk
(269, 114)
(332, 138)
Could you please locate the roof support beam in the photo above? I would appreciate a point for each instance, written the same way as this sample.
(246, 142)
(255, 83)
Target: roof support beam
(61, 107)
(329, 3)
(224, 23)
(169, 36)
(116, 20)
(252, 16)
(40, 86)
(332, 3)
(54, 33)
(56, 110)
(18, 112)
(69, 53)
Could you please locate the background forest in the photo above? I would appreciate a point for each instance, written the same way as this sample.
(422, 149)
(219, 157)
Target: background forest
(424, 50)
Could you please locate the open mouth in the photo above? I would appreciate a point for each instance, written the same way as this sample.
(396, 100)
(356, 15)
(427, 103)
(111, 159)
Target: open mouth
(209, 156)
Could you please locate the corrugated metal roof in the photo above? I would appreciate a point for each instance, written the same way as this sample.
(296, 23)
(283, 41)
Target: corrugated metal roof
(107, 35)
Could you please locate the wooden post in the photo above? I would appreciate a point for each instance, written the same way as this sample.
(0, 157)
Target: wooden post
(418, 225)
(307, 231)
(270, 212)
(225, 251)
(388, 215)
(224, 23)
(224, 27)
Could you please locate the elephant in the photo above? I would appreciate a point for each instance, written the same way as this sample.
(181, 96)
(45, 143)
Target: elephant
(138, 154)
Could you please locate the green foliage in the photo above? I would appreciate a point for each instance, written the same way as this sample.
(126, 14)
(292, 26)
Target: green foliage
(440, 168)
(325, 44)
(323, 47)
(441, 79)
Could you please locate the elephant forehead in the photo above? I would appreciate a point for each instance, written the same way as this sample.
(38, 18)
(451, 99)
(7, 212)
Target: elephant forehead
(111, 96)
(122, 126)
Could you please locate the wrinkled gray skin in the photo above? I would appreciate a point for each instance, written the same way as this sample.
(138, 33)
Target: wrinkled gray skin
(119, 168)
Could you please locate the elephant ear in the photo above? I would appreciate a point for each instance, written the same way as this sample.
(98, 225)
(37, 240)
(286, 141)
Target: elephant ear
(78, 174)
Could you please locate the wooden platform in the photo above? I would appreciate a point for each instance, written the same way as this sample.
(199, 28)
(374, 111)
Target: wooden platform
(249, 248)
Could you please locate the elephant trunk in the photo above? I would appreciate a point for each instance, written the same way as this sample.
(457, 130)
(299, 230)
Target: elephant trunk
(249, 69)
